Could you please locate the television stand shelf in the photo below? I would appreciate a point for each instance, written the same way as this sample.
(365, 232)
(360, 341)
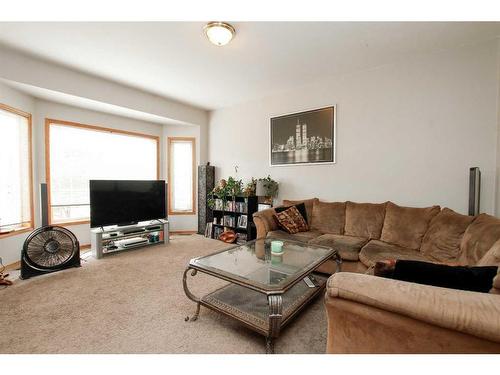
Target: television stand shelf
(112, 239)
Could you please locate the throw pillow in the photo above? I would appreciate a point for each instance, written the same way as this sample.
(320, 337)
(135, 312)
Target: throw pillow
(307, 202)
(476, 279)
(442, 241)
(406, 226)
(300, 206)
(292, 221)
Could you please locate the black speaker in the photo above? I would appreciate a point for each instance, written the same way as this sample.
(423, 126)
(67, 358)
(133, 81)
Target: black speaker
(44, 204)
(474, 190)
(206, 183)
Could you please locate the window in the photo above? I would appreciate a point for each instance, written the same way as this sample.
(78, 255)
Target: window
(77, 153)
(16, 184)
(181, 179)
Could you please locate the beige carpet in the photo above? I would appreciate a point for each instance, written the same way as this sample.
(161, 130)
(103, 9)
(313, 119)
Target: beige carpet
(133, 302)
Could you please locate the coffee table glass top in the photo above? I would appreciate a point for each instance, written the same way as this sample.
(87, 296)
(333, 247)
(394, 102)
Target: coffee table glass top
(254, 264)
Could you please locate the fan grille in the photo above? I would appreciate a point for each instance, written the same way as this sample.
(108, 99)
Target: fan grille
(50, 248)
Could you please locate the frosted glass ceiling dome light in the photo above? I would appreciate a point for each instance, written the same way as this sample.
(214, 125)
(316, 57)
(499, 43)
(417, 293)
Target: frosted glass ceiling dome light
(219, 33)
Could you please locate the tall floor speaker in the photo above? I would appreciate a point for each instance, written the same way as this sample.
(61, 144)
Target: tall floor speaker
(474, 190)
(206, 183)
(44, 204)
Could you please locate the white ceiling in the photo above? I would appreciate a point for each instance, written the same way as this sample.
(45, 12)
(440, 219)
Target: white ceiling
(174, 59)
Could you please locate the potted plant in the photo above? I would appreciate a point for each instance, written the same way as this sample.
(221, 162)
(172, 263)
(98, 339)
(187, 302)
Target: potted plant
(267, 187)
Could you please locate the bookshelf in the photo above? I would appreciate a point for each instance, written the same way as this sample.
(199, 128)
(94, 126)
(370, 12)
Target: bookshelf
(236, 214)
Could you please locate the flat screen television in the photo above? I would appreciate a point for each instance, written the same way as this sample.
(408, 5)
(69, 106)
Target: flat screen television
(123, 202)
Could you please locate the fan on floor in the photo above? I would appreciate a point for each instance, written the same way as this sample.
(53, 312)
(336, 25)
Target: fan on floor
(49, 249)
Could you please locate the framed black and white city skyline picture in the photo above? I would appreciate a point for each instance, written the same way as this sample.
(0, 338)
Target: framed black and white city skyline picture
(307, 137)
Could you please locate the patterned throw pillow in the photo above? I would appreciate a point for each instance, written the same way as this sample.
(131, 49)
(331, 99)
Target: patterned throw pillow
(292, 221)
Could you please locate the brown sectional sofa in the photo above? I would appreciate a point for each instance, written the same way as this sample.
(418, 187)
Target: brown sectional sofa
(368, 314)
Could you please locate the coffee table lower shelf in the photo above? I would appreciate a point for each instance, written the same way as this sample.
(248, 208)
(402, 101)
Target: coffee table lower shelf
(253, 309)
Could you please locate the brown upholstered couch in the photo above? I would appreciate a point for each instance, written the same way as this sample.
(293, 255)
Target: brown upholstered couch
(368, 314)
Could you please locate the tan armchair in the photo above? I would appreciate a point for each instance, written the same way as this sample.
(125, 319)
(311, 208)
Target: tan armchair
(369, 314)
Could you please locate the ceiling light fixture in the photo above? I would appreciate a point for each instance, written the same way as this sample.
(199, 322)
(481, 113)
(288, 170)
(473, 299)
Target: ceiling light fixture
(219, 33)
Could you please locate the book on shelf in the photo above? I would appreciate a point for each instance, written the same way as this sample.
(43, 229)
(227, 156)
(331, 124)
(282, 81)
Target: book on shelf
(230, 206)
(217, 232)
(241, 207)
(208, 230)
(242, 221)
(229, 220)
(241, 238)
(218, 205)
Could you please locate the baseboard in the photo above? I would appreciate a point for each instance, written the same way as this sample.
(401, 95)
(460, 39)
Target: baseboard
(13, 266)
(183, 232)
(17, 265)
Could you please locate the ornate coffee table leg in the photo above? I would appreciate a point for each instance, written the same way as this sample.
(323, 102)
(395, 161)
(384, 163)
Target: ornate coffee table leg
(275, 315)
(190, 295)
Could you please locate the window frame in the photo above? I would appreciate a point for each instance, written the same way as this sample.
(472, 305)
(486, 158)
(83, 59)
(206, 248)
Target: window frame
(170, 140)
(49, 121)
(31, 223)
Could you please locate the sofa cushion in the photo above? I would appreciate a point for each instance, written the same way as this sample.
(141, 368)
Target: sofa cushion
(328, 217)
(307, 202)
(364, 219)
(492, 257)
(301, 236)
(479, 238)
(347, 246)
(375, 251)
(442, 241)
(406, 226)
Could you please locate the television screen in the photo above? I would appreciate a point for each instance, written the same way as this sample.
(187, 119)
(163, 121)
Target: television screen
(124, 202)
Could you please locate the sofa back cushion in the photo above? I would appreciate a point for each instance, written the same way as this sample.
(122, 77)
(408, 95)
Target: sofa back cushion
(364, 219)
(479, 238)
(492, 256)
(406, 226)
(307, 202)
(496, 283)
(328, 217)
(442, 240)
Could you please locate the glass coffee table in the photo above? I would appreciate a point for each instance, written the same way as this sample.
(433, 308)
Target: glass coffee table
(265, 290)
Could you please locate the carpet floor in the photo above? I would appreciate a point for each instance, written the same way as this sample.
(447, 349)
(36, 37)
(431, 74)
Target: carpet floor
(133, 302)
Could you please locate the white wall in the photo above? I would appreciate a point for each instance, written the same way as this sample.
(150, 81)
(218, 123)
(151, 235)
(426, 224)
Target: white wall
(406, 132)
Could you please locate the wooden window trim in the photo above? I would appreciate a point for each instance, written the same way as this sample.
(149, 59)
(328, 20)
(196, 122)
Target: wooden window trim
(49, 121)
(169, 149)
(30, 224)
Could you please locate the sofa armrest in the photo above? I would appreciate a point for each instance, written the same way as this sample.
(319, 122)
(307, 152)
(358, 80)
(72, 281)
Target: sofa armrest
(477, 314)
(264, 222)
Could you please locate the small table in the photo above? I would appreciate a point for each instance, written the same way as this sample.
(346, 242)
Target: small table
(265, 291)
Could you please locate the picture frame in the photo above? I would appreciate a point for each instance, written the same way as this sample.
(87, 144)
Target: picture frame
(304, 138)
(242, 221)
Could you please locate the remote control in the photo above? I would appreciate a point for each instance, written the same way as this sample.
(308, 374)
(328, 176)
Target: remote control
(308, 282)
(313, 279)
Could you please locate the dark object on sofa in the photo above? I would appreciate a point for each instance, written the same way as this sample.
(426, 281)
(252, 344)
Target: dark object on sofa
(476, 279)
